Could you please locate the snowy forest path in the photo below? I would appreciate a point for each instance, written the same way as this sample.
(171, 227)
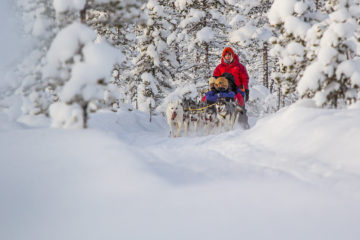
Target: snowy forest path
(226, 156)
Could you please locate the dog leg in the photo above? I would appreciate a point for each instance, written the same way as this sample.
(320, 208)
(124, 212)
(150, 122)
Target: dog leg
(227, 124)
(179, 125)
(171, 130)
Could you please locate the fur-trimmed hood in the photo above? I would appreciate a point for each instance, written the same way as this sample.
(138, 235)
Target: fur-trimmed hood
(235, 61)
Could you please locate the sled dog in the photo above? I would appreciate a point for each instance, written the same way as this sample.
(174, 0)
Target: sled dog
(225, 113)
(195, 117)
(186, 115)
(174, 115)
(210, 119)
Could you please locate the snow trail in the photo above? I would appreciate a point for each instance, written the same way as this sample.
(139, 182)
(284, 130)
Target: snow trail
(124, 178)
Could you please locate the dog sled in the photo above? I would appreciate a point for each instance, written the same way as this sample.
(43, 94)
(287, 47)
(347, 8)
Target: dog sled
(221, 108)
(191, 116)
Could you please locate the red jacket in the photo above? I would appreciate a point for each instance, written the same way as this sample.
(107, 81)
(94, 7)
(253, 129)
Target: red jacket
(236, 69)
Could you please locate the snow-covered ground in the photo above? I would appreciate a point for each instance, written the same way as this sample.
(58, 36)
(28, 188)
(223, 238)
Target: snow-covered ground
(294, 175)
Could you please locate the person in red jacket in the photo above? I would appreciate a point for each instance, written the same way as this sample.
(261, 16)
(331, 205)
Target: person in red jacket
(230, 64)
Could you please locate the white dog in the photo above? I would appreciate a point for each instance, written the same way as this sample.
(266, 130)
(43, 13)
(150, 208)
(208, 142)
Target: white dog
(174, 115)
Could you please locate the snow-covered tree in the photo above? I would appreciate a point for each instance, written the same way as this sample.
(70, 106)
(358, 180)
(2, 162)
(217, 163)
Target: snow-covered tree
(153, 75)
(39, 25)
(202, 37)
(81, 69)
(334, 74)
(116, 21)
(292, 19)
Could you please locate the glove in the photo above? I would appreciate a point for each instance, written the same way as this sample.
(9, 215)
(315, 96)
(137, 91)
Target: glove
(246, 95)
(241, 92)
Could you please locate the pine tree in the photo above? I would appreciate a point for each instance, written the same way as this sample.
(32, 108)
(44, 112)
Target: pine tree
(292, 23)
(333, 78)
(116, 22)
(202, 37)
(250, 32)
(79, 68)
(39, 24)
(154, 78)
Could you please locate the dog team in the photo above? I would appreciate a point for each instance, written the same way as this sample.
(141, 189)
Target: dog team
(207, 115)
(222, 105)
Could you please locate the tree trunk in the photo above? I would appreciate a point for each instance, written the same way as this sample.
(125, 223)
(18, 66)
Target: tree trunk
(272, 85)
(207, 56)
(85, 114)
(150, 111)
(83, 13)
(279, 97)
(265, 65)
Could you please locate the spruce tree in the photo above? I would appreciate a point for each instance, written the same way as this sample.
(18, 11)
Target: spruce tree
(202, 37)
(153, 74)
(292, 19)
(333, 77)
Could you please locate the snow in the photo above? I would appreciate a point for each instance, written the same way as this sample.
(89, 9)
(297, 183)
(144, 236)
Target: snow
(66, 116)
(154, 6)
(61, 6)
(66, 45)
(286, 176)
(296, 26)
(194, 17)
(300, 7)
(182, 4)
(244, 34)
(314, 71)
(279, 10)
(205, 35)
(99, 59)
(294, 174)
(327, 54)
(41, 26)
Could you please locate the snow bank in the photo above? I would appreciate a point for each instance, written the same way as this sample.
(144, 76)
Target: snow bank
(319, 137)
